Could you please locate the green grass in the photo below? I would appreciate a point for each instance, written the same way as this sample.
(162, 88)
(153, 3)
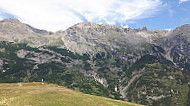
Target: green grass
(36, 94)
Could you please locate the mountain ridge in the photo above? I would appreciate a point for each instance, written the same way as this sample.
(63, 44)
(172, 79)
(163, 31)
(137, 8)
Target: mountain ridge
(101, 59)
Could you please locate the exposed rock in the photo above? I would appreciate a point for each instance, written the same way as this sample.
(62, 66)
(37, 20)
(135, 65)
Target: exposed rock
(22, 53)
(101, 80)
(92, 38)
(13, 30)
(2, 49)
(1, 64)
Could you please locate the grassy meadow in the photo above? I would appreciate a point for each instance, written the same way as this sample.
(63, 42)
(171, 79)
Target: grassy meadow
(37, 94)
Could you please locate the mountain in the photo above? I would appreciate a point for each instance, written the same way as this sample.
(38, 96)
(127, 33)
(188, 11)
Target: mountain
(13, 30)
(49, 94)
(92, 38)
(136, 65)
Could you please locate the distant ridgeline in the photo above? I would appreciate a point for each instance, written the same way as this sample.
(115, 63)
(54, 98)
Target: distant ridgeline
(136, 65)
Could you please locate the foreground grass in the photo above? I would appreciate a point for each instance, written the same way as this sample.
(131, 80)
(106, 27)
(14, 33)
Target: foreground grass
(36, 94)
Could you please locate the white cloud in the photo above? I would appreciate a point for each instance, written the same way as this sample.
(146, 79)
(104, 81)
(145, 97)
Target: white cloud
(54, 15)
(168, 29)
(126, 26)
(182, 1)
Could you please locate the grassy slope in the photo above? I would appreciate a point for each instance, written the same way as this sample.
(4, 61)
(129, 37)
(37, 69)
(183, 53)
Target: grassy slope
(36, 94)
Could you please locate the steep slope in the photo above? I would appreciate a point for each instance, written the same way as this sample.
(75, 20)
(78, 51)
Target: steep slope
(35, 94)
(157, 84)
(178, 47)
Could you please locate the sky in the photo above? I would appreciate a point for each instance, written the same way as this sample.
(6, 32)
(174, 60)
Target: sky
(54, 15)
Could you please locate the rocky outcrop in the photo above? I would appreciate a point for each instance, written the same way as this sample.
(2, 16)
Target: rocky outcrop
(1, 65)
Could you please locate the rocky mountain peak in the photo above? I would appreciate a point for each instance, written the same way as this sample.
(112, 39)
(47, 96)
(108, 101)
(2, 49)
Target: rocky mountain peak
(10, 20)
(185, 27)
(182, 31)
(15, 24)
(11, 24)
(145, 28)
(90, 25)
(85, 24)
(15, 31)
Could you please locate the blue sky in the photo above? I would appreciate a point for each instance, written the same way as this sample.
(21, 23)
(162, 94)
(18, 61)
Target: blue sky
(172, 16)
(54, 15)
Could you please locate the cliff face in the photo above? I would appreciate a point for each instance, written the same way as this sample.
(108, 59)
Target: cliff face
(138, 65)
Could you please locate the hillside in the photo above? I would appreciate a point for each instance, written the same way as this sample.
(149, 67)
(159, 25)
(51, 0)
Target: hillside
(136, 65)
(36, 94)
